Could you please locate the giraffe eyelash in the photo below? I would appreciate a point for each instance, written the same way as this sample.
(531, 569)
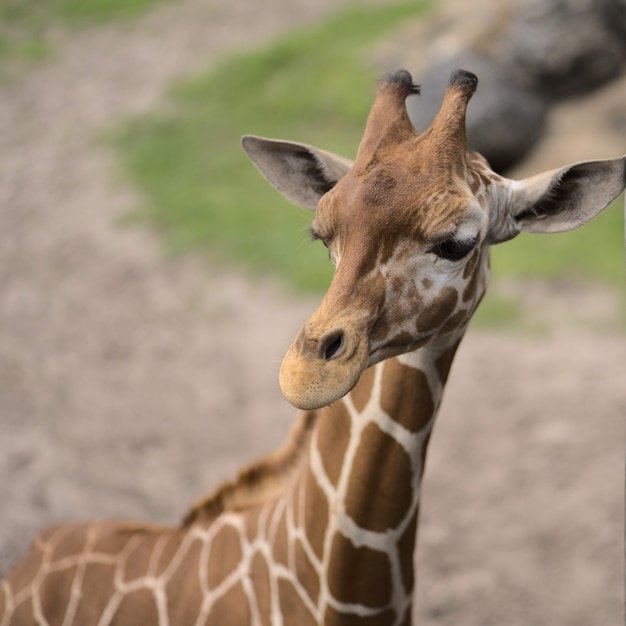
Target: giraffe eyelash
(316, 237)
(454, 249)
(313, 236)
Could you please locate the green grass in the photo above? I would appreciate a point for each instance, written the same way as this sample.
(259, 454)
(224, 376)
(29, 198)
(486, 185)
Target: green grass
(314, 86)
(202, 192)
(25, 25)
(97, 10)
(590, 255)
(23, 11)
(593, 252)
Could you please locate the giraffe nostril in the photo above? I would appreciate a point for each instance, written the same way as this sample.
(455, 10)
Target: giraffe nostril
(331, 345)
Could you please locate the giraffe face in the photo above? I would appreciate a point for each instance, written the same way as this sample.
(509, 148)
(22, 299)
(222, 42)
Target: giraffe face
(404, 271)
(408, 225)
(405, 233)
(411, 267)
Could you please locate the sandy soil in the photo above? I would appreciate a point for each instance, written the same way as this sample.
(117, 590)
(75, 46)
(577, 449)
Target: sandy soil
(131, 383)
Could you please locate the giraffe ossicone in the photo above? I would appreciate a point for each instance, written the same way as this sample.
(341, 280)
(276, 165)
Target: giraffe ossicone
(323, 530)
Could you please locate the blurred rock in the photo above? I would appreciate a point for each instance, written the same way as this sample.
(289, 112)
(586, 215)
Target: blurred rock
(504, 119)
(566, 47)
(530, 56)
(615, 15)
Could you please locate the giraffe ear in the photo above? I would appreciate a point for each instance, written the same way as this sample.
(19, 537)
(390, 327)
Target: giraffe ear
(302, 173)
(561, 199)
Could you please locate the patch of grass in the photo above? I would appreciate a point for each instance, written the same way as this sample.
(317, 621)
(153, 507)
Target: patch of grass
(497, 312)
(202, 192)
(594, 251)
(22, 12)
(97, 10)
(591, 254)
(25, 25)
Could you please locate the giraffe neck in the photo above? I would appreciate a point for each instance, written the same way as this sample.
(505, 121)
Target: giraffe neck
(362, 485)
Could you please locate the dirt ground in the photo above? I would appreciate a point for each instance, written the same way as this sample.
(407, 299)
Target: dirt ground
(131, 383)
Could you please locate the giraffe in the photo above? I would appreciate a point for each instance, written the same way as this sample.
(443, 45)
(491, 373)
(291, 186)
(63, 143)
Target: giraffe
(323, 530)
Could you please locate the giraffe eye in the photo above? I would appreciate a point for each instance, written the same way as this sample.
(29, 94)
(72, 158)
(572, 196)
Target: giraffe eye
(454, 249)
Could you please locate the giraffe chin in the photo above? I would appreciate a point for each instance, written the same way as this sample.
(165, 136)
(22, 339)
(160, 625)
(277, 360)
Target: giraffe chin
(313, 384)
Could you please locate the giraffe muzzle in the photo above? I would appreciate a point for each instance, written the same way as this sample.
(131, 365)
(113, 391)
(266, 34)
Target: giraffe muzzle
(317, 371)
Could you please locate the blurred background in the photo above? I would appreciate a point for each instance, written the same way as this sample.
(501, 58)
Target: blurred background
(150, 281)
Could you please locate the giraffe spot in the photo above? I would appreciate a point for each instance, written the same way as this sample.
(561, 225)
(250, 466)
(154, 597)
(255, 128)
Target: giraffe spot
(168, 548)
(306, 573)
(333, 617)
(23, 613)
(291, 605)
(316, 516)
(136, 560)
(406, 549)
(225, 555)
(409, 294)
(372, 587)
(182, 585)
(406, 396)
(280, 541)
(295, 503)
(362, 392)
(260, 575)
(231, 608)
(470, 264)
(469, 293)
(380, 330)
(67, 541)
(137, 607)
(403, 340)
(96, 591)
(111, 540)
(333, 438)
(380, 460)
(455, 321)
(444, 362)
(438, 311)
(54, 593)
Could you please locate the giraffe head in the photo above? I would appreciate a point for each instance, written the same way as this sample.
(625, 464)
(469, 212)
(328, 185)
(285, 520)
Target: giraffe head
(408, 226)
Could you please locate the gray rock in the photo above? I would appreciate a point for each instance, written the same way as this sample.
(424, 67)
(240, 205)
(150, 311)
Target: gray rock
(504, 119)
(614, 13)
(567, 47)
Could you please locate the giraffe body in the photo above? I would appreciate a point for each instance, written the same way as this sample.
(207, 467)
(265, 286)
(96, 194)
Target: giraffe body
(291, 559)
(323, 531)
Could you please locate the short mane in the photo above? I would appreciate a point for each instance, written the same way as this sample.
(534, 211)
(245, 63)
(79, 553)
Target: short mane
(259, 482)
